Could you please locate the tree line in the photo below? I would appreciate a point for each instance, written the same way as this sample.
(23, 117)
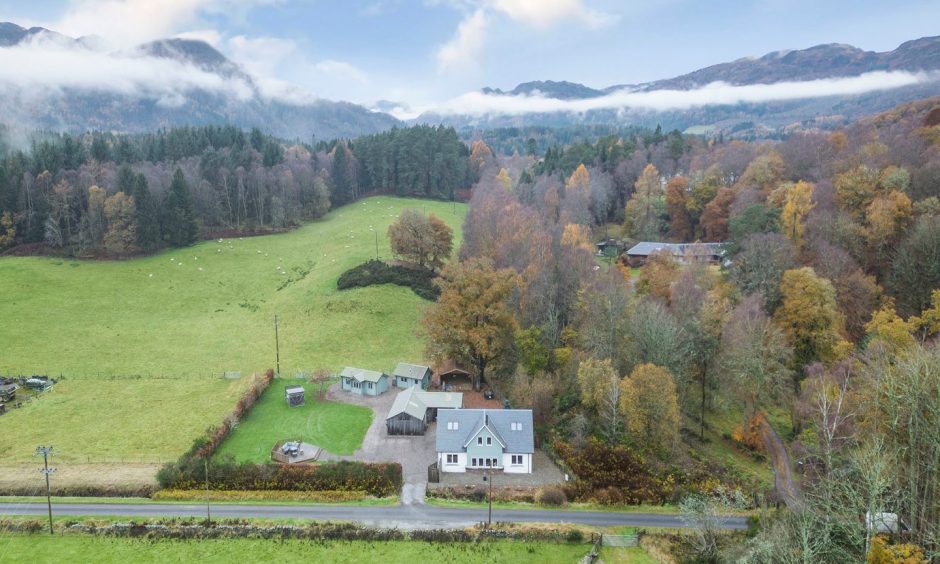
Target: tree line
(104, 194)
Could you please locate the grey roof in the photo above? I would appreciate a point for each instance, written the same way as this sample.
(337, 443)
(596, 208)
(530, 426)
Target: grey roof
(470, 421)
(647, 248)
(415, 402)
(361, 374)
(294, 390)
(413, 371)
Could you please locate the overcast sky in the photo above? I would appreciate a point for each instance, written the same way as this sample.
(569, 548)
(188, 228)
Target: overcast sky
(428, 51)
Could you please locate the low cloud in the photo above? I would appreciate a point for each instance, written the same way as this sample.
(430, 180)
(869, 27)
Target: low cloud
(717, 93)
(43, 68)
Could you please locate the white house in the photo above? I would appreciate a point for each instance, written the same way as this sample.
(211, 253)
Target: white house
(485, 439)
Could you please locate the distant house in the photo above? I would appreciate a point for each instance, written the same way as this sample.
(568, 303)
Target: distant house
(408, 375)
(485, 439)
(682, 252)
(414, 409)
(363, 382)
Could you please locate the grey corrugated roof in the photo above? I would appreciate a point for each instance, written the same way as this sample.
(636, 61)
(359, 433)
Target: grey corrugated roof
(361, 374)
(647, 248)
(415, 402)
(295, 390)
(469, 422)
(413, 371)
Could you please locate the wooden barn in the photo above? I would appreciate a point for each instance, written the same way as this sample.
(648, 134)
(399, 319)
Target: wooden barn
(414, 409)
(452, 376)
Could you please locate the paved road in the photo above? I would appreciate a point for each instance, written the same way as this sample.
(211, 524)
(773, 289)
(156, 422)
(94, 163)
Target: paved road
(401, 516)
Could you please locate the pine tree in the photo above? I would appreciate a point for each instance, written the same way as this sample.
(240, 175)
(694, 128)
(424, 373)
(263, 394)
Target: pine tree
(148, 217)
(179, 224)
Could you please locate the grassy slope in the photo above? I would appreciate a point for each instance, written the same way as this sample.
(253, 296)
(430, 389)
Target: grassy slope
(87, 320)
(97, 549)
(337, 427)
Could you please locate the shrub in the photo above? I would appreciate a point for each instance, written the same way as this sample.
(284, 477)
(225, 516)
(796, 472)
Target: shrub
(575, 535)
(377, 272)
(551, 495)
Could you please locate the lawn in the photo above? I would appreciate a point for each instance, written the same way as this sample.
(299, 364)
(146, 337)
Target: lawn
(142, 343)
(80, 548)
(336, 427)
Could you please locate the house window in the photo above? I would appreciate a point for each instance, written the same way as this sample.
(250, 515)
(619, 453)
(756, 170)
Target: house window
(495, 463)
(515, 426)
(489, 462)
(370, 385)
(475, 462)
(480, 441)
(489, 441)
(451, 425)
(517, 460)
(452, 459)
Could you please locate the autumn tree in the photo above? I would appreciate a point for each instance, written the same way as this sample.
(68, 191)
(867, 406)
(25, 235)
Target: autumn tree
(855, 189)
(641, 215)
(764, 172)
(886, 218)
(714, 219)
(503, 178)
(471, 320)
(809, 317)
(577, 203)
(657, 275)
(677, 200)
(95, 221)
(915, 270)
(650, 406)
(121, 236)
(755, 357)
(888, 330)
(480, 156)
(7, 229)
(424, 240)
(600, 392)
(798, 204)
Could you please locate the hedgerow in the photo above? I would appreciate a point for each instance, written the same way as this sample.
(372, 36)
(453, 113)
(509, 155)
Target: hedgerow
(377, 272)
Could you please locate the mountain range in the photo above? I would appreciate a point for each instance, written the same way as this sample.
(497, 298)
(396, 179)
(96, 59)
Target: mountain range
(44, 85)
(214, 90)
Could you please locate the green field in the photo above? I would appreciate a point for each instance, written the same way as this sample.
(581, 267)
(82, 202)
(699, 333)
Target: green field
(336, 427)
(142, 343)
(37, 548)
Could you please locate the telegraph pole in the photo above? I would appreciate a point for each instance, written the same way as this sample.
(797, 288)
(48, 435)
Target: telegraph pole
(277, 346)
(376, 245)
(208, 514)
(489, 498)
(45, 451)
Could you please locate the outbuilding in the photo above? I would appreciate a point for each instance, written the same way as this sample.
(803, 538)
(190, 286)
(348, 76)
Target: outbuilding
(414, 409)
(363, 382)
(294, 396)
(408, 375)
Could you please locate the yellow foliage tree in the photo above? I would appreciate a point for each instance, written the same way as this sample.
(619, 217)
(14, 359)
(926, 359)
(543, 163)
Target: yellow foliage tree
(855, 189)
(650, 406)
(657, 275)
(7, 229)
(810, 317)
(887, 216)
(596, 378)
(798, 204)
(579, 181)
(480, 155)
(887, 328)
(578, 236)
(883, 553)
(504, 179)
(764, 172)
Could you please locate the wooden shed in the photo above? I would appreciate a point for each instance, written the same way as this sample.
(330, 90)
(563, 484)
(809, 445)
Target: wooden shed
(414, 409)
(294, 396)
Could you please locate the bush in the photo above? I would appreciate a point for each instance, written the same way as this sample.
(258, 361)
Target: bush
(373, 272)
(551, 496)
(575, 535)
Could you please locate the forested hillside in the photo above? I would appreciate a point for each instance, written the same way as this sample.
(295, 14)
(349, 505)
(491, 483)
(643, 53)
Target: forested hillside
(116, 195)
(820, 323)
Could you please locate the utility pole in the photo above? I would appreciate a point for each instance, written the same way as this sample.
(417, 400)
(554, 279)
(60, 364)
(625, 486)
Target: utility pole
(277, 346)
(208, 514)
(489, 498)
(376, 245)
(45, 451)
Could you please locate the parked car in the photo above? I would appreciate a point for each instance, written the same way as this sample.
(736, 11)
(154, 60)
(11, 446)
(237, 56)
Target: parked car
(488, 394)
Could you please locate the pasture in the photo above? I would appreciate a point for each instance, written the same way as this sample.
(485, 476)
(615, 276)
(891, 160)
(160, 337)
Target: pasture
(142, 343)
(80, 548)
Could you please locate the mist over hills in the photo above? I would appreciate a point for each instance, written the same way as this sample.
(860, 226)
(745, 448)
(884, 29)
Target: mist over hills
(821, 86)
(51, 81)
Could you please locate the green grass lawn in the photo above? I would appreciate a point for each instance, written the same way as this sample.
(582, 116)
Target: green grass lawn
(142, 343)
(80, 548)
(634, 555)
(336, 427)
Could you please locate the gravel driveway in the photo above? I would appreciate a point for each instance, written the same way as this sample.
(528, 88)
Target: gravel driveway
(414, 453)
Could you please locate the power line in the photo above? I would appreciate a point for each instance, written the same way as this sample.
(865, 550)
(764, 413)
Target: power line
(45, 451)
